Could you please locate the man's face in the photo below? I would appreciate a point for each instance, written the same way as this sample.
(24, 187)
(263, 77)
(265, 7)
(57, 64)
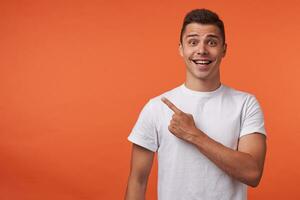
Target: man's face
(202, 49)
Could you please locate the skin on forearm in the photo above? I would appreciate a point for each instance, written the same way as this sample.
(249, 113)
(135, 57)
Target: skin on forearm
(141, 163)
(242, 166)
(135, 189)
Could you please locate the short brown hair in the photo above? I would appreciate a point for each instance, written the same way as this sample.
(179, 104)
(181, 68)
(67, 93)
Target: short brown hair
(203, 16)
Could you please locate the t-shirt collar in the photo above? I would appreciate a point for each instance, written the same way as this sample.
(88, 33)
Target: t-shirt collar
(199, 93)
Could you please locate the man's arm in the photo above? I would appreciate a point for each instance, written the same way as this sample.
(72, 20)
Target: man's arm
(141, 164)
(245, 164)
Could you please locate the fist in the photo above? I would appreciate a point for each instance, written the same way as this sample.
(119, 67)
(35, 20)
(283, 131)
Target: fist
(182, 124)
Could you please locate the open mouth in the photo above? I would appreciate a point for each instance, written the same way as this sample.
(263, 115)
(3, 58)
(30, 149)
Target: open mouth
(202, 62)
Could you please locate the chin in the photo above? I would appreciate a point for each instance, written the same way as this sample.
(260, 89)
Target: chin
(211, 73)
(202, 75)
(203, 78)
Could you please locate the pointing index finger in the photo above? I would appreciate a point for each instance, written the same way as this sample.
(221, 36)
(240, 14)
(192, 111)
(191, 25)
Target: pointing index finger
(171, 105)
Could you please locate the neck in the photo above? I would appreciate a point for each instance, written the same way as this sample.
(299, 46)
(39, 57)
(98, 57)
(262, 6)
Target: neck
(203, 85)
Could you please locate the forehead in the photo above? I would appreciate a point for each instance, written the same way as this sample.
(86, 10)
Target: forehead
(201, 30)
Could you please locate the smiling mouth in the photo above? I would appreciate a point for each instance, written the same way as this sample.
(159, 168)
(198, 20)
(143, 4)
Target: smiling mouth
(202, 62)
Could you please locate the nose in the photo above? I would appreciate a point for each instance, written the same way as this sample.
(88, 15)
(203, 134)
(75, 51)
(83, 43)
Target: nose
(201, 50)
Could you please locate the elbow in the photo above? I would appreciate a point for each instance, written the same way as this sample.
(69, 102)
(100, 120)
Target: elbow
(254, 178)
(139, 178)
(254, 183)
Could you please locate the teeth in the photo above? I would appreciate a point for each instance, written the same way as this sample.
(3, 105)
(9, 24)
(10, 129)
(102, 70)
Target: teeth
(202, 62)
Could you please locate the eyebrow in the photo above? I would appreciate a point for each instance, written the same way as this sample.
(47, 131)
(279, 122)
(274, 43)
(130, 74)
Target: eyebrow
(196, 35)
(191, 35)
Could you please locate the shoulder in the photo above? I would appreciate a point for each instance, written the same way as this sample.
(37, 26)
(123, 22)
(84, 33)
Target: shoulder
(238, 95)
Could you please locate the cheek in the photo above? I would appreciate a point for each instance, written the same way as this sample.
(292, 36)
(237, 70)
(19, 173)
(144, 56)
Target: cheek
(187, 54)
(218, 53)
(187, 58)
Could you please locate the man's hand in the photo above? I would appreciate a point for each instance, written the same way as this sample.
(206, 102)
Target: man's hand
(182, 124)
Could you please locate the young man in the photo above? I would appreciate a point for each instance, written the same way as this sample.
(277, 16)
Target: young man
(210, 138)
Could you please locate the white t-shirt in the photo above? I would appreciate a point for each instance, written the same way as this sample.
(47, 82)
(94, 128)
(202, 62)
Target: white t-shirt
(184, 173)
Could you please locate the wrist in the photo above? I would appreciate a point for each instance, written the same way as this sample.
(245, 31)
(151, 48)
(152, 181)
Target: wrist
(196, 136)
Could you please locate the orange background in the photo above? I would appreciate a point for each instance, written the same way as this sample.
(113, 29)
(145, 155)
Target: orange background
(74, 76)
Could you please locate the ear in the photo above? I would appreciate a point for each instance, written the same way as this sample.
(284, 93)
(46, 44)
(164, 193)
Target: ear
(180, 49)
(224, 49)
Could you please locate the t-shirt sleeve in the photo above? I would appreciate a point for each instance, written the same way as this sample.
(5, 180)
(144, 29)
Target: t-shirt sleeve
(252, 117)
(144, 132)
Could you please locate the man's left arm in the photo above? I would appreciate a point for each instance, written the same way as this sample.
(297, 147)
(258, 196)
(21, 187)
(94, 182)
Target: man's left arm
(244, 164)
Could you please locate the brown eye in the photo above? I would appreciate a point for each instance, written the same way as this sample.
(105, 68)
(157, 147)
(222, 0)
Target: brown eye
(193, 42)
(212, 43)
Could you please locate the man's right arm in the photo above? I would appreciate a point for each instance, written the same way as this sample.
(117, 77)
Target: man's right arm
(141, 164)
